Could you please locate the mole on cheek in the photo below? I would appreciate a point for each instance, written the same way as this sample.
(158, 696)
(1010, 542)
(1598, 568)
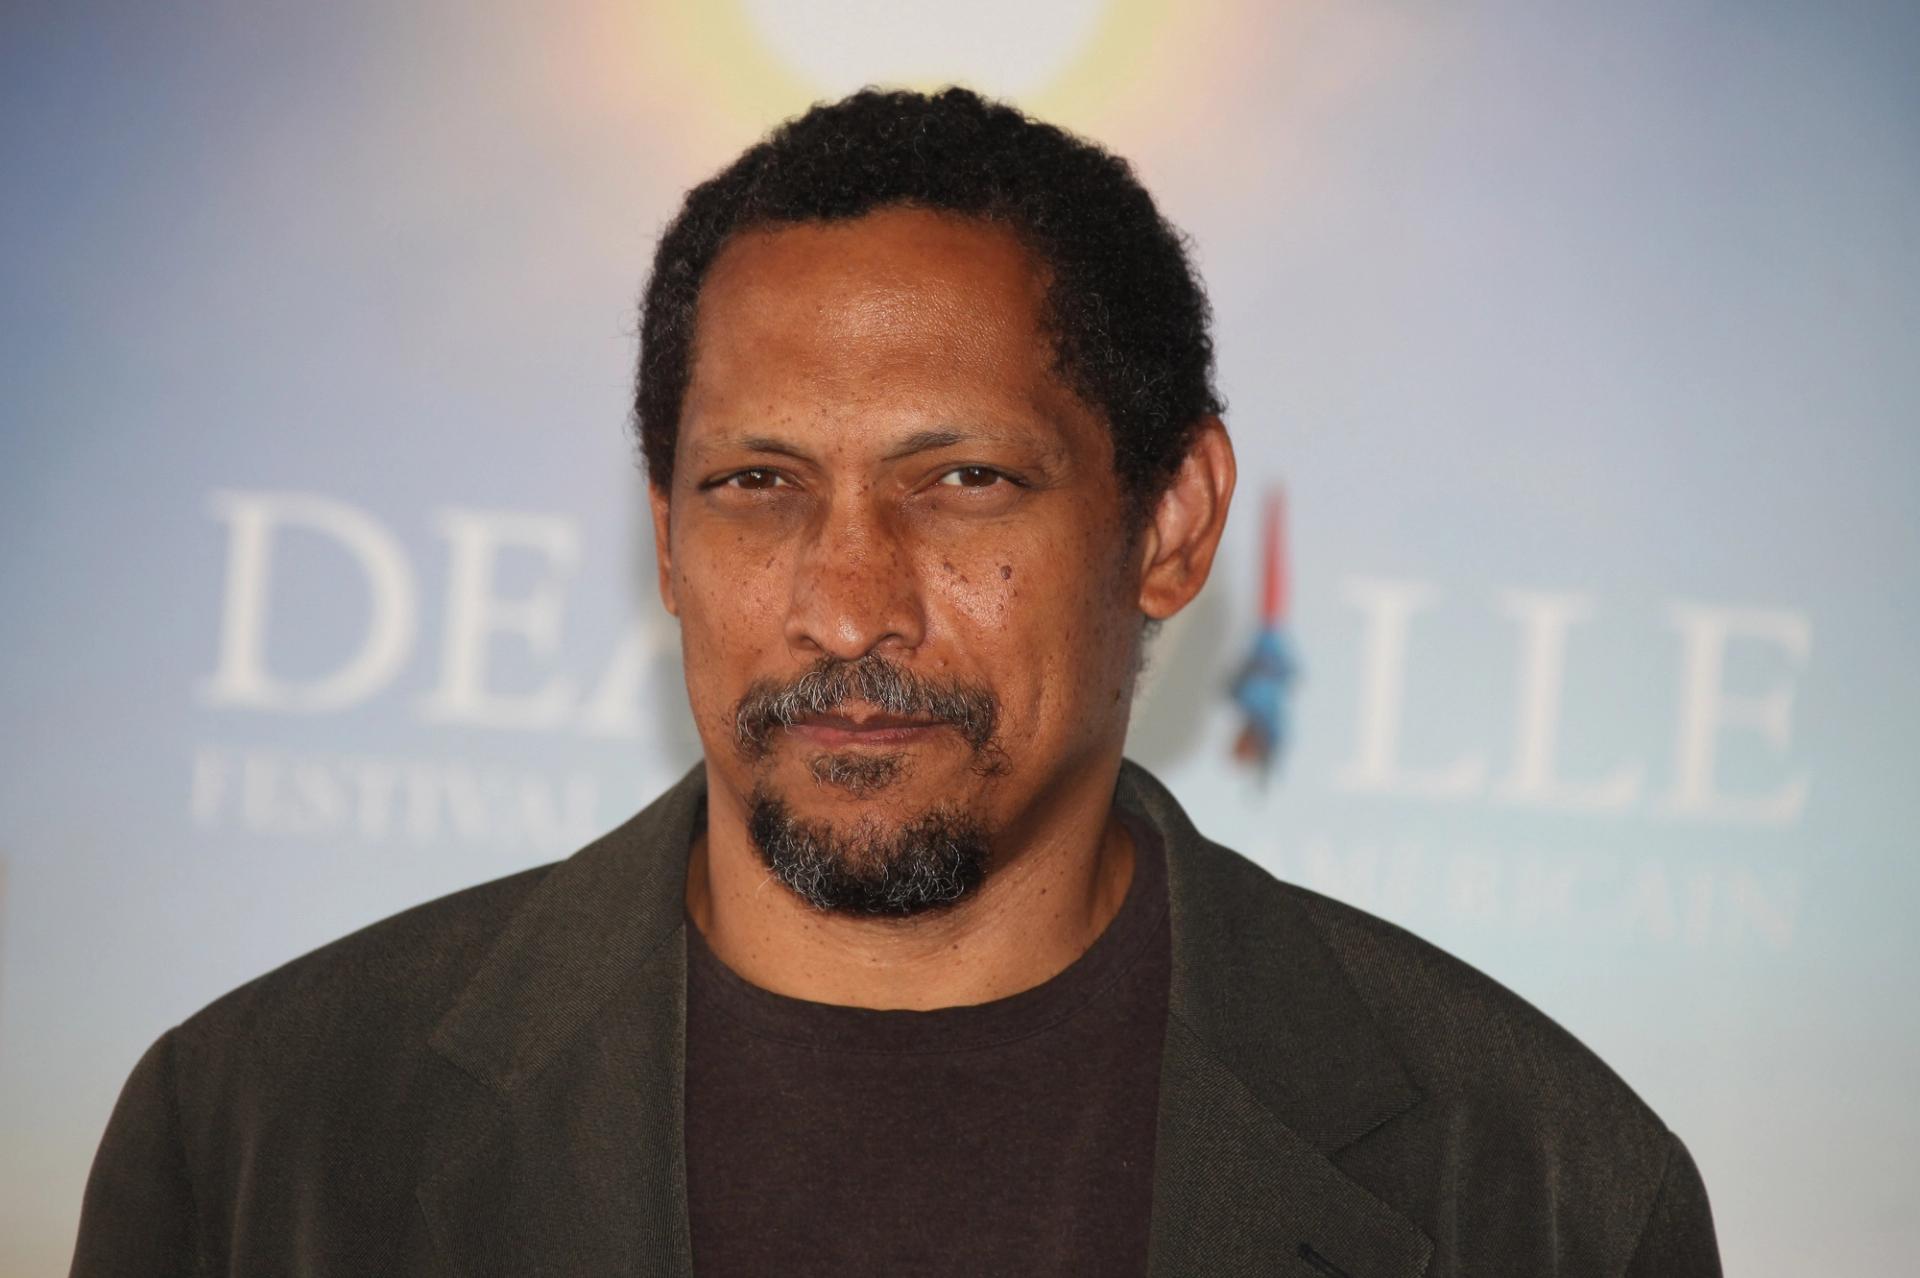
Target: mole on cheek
(1006, 572)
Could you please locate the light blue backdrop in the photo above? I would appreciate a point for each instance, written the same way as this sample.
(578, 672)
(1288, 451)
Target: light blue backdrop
(1582, 336)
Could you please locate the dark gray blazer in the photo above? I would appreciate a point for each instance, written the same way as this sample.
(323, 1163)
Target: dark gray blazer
(491, 1084)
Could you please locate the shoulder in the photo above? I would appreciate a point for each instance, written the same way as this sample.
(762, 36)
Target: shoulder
(358, 1017)
(1462, 1035)
(1514, 1146)
(304, 1100)
(1513, 1108)
(1459, 1034)
(1550, 1152)
(1276, 952)
(365, 996)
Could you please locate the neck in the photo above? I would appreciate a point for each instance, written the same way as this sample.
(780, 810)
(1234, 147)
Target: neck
(1051, 891)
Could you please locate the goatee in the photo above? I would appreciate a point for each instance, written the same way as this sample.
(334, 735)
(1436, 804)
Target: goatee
(926, 864)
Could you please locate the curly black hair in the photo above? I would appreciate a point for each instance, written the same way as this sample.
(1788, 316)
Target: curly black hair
(1126, 310)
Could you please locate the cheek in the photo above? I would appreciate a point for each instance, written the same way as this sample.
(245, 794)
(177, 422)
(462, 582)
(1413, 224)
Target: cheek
(724, 576)
(731, 598)
(1044, 625)
(977, 593)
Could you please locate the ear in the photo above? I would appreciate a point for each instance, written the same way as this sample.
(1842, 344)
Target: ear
(1179, 542)
(663, 545)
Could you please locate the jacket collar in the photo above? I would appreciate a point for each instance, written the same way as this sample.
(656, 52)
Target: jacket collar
(575, 1026)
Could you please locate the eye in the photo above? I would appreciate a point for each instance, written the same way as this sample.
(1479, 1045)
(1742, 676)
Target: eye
(971, 477)
(755, 480)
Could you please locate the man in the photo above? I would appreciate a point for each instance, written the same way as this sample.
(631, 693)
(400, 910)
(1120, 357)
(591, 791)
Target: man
(913, 974)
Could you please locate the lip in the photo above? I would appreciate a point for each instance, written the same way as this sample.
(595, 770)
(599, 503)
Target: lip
(837, 731)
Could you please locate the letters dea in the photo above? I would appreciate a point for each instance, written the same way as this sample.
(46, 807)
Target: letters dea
(476, 616)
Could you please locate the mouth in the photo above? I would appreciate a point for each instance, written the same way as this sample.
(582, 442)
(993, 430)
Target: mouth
(880, 731)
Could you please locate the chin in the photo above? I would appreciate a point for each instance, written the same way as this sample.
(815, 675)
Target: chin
(881, 863)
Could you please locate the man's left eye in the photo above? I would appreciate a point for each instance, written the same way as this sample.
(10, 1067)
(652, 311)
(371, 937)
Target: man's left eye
(971, 477)
(754, 480)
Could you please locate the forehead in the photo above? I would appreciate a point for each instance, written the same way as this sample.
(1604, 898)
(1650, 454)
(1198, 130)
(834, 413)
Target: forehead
(900, 300)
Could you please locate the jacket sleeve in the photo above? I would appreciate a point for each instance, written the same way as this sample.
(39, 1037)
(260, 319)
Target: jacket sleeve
(1677, 1240)
(138, 1214)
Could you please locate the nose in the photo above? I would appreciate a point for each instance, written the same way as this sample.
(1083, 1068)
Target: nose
(855, 589)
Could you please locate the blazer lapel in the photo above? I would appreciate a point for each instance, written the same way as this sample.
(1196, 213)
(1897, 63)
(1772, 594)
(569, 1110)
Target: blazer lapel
(574, 1029)
(1270, 1065)
(1236, 1191)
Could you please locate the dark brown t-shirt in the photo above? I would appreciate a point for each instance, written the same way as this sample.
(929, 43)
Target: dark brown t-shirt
(1011, 1137)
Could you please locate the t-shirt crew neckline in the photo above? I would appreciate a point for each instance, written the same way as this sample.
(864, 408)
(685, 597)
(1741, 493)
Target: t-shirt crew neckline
(838, 1028)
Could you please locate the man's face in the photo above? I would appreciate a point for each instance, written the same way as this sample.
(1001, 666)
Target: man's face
(877, 465)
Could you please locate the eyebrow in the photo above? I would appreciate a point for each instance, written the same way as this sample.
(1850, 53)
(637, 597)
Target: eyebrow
(920, 441)
(926, 440)
(760, 444)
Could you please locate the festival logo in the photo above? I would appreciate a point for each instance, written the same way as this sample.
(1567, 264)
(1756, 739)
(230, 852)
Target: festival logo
(1263, 688)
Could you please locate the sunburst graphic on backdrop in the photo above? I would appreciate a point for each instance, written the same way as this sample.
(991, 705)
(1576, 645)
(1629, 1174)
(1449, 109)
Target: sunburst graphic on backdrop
(771, 59)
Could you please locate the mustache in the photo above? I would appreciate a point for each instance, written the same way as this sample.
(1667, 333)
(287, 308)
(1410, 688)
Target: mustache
(833, 683)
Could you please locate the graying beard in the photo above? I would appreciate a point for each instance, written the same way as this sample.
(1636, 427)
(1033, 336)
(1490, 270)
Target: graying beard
(926, 865)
